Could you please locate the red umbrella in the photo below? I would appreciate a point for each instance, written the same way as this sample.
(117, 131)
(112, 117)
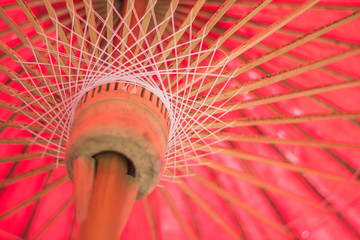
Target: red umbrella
(252, 107)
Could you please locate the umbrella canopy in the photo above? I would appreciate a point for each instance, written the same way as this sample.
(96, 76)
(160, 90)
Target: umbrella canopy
(262, 100)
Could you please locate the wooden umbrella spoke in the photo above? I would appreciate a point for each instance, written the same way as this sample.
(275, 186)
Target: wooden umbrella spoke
(276, 140)
(26, 156)
(195, 197)
(54, 217)
(229, 32)
(292, 57)
(278, 97)
(297, 33)
(182, 29)
(205, 29)
(253, 180)
(177, 213)
(22, 176)
(144, 27)
(151, 220)
(252, 42)
(27, 41)
(299, 41)
(31, 141)
(35, 22)
(251, 3)
(244, 206)
(26, 83)
(25, 111)
(288, 55)
(277, 120)
(23, 125)
(285, 30)
(159, 34)
(109, 23)
(32, 3)
(43, 18)
(262, 184)
(277, 77)
(63, 37)
(285, 165)
(128, 9)
(34, 197)
(78, 30)
(92, 27)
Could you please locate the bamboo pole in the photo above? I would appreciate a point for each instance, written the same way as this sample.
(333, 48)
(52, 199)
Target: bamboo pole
(104, 195)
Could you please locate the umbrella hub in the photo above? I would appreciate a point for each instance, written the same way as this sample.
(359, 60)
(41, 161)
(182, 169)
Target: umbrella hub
(125, 119)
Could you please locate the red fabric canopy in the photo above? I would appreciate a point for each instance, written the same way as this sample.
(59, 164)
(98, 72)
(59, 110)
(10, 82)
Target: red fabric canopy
(288, 167)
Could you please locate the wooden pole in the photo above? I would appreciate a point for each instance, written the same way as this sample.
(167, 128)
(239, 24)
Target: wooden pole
(104, 195)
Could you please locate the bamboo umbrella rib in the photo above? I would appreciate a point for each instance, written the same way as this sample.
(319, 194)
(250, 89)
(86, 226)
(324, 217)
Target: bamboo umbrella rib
(72, 228)
(307, 135)
(26, 83)
(303, 178)
(299, 41)
(252, 42)
(278, 120)
(161, 29)
(25, 156)
(20, 46)
(31, 126)
(276, 140)
(205, 29)
(193, 216)
(229, 32)
(288, 55)
(23, 125)
(109, 22)
(15, 108)
(223, 193)
(36, 24)
(151, 220)
(264, 185)
(30, 140)
(230, 207)
(54, 217)
(284, 30)
(281, 97)
(195, 197)
(27, 41)
(255, 181)
(285, 165)
(27, 174)
(40, 18)
(244, 206)
(144, 27)
(34, 197)
(129, 8)
(78, 29)
(277, 77)
(32, 3)
(30, 113)
(35, 209)
(250, 3)
(189, 18)
(177, 213)
(62, 35)
(292, 57)
(92, 26)
(292, 32)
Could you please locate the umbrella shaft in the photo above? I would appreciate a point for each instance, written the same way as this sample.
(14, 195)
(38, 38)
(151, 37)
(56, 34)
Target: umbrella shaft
(104, 195)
